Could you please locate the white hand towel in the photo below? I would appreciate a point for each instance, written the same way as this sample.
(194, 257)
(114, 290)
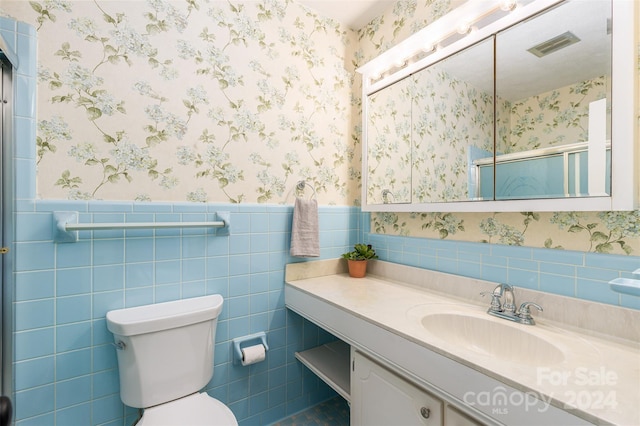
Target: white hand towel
(305, 239)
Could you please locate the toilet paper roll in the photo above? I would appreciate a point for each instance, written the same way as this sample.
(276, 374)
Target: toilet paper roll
(253, 354)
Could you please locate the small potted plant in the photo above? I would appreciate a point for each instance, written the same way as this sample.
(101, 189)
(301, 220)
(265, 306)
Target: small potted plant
(357, 259)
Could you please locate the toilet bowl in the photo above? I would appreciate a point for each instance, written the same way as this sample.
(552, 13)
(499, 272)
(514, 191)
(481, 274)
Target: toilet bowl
(165, 358)
(198, 409)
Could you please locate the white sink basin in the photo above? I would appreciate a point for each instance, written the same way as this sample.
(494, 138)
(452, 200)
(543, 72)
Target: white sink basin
(469, 329)
(503, 340)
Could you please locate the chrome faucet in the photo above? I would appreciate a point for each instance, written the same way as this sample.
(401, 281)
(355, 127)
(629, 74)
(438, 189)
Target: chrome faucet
(509, 304)
(503, 305)
(496, 296)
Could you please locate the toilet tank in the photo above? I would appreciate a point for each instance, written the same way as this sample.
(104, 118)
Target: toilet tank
(166, 349)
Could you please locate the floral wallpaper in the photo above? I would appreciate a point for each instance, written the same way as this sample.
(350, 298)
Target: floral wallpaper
(557, 117)
(209, 101)
(195, 100)
(444, 147)
(389, 148)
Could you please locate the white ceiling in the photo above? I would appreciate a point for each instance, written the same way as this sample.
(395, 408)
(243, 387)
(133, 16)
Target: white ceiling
(521, 74)
(353, 13)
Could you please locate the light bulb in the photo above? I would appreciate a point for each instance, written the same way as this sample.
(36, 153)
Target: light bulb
(508, 5)
(464, 28)
(400, 63)
(430, 47)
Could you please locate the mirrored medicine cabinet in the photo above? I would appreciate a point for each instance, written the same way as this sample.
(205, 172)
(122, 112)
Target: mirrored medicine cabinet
(528, 107)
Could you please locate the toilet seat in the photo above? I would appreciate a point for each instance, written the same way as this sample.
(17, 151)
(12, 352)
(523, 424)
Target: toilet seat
(198, 409)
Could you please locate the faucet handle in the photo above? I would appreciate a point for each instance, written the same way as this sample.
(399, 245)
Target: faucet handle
(525, 314)
(495, 301)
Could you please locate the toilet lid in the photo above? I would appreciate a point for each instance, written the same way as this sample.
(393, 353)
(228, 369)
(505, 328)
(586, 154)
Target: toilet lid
(198, 409)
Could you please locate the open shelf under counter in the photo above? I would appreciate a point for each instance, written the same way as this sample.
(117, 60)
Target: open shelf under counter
(330, 362)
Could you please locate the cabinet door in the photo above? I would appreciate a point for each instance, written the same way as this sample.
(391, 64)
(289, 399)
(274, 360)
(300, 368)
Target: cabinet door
(453, 417)
(382, 398)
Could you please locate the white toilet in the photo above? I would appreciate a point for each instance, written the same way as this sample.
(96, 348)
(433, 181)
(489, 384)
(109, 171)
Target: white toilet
(165, 358)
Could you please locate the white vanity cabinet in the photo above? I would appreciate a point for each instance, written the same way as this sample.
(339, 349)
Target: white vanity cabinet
(453, 417)
(377, 395)
(381, 397)
(398, 368)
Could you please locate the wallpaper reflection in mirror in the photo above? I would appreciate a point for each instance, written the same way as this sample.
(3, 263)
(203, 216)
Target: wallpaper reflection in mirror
(551, 71)
(452, 117)
(389, 144)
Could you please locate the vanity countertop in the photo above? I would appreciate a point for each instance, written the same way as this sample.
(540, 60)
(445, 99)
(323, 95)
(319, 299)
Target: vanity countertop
(598, 379)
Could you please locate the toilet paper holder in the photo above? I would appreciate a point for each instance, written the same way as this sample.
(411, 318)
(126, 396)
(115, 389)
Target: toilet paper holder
(242, 342)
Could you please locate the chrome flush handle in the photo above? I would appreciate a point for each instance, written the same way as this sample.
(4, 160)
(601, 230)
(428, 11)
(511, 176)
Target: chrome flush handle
(120, 345)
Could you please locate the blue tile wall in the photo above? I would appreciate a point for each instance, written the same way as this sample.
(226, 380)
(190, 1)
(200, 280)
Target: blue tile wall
(567, 273)
(64, 290)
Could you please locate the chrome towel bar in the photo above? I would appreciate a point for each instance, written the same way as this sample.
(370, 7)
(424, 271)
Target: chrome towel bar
(141, 225)
(66, 226)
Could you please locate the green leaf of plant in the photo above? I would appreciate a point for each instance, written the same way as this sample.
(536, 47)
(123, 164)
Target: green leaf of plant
(153, 140)
(152, 29)
(36, 6)
(598, 236)
(108, 18)
(93, 113)
(604, 248)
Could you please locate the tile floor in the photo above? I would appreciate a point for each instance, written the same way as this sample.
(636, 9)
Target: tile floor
(334, 412)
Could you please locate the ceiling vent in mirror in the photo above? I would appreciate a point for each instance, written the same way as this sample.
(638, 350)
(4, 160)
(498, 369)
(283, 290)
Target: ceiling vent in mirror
(554, 44)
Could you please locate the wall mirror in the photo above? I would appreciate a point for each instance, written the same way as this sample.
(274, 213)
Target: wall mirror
(553, 88)
(389, 144)
(532, 112)
(453, 115)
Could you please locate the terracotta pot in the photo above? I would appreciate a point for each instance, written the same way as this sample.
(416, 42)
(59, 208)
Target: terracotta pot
(357, 268)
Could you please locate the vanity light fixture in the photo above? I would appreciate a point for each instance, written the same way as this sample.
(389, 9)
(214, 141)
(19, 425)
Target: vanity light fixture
(466, 26)
(463, 20)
